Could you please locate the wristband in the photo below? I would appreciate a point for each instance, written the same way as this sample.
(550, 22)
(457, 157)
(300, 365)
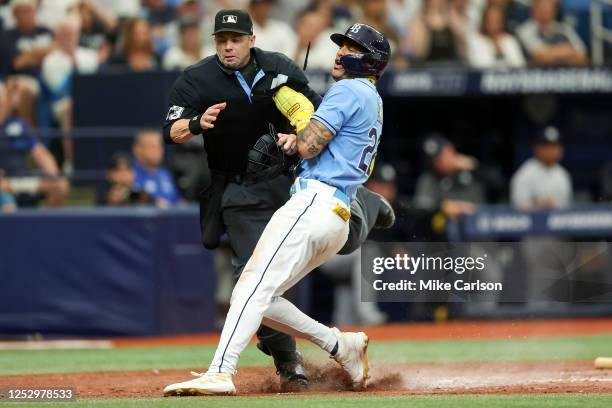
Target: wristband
(194, 125)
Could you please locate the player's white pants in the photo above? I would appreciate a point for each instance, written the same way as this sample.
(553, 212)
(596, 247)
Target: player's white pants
(301, 236)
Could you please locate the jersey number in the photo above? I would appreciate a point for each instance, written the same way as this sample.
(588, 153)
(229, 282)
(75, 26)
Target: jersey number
(367, 156)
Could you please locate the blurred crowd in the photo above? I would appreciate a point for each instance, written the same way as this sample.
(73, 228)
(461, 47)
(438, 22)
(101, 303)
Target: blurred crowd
(51, 37)
(43, 43)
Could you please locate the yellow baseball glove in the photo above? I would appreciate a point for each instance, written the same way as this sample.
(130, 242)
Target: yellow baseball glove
(294, 106)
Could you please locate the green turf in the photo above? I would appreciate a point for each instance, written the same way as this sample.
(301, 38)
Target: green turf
(55, 361)
(284, 401)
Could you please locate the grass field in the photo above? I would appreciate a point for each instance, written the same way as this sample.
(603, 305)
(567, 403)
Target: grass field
(381, 353)
(136, 358)
(294, 401)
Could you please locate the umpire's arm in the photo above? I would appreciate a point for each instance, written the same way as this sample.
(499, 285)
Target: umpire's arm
(184, 120)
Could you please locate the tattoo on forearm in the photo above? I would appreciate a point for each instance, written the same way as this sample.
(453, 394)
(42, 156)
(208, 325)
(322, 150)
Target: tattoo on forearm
(315, 136)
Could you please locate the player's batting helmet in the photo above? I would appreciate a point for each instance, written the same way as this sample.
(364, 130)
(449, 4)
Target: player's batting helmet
(378, 50)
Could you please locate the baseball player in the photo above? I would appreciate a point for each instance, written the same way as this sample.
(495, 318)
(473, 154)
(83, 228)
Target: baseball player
(338, 142)
(227, 100)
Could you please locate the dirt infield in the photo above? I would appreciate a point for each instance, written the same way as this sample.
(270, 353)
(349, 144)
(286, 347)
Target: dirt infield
(491, 377)
(448, 378)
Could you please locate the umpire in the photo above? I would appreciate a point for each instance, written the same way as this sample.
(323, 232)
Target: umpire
(227, 98)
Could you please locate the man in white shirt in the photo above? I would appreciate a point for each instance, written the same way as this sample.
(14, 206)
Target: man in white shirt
(189, 49)
(542, 183)
(313, 27)
(549, 42)
(272, 35)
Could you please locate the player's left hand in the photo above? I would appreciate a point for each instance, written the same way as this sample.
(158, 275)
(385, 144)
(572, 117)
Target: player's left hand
(288, 143)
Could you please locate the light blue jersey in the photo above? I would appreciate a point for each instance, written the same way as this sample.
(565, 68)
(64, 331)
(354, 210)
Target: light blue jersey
(352, 110)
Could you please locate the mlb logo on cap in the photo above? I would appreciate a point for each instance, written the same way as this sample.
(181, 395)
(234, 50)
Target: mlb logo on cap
(233, 21)
(230, 19)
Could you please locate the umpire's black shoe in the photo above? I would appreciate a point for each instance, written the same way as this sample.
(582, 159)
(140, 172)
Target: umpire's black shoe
(292, 373)
(386, 215)
(290, 367)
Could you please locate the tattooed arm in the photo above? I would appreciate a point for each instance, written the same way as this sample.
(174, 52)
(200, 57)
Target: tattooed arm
(312, 139)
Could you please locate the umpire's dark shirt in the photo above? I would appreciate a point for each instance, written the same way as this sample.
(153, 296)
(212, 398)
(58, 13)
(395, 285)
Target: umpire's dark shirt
(246, 115)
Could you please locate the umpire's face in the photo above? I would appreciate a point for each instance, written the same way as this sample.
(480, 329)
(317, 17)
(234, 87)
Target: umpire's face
(234, 49)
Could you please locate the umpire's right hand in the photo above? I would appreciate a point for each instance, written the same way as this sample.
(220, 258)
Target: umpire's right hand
(181, 130)
(210, 115)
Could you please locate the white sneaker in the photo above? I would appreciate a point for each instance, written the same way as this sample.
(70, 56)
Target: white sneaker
(206, 384)
(352, 355)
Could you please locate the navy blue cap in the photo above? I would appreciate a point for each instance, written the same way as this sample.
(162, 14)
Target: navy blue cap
(383, 172)
(433, 144)
(548, 135)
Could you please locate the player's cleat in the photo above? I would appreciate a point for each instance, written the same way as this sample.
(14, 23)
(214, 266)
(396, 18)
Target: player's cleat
(352, 355)
(290, 368)
(206, 384)
(386, 214)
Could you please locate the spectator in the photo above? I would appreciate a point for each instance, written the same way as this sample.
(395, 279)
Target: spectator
(149, 175)
(160, 17)
(121, 179)
(136, 47)
(123, 9)
(289, 10)
(18, 143)
(157, 12)
(97, 28)
(492, 47)
(376, 14)
(189, 9)
(341, 12)
(516, 12)
(188, 51)
(430, 35)
(466, 15)
(541, 182)
(272, 35)
(58, 68)
(313, 27)
(549, 42)
(24, 48)
(7, 201)
(51, 12)
(401, 11)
